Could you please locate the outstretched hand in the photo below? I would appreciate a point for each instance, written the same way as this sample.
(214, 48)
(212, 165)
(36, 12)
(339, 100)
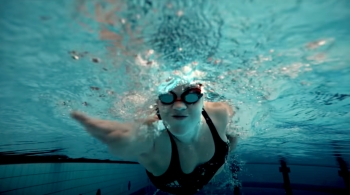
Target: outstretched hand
(117, 136)
(106, 130)
(101, 129)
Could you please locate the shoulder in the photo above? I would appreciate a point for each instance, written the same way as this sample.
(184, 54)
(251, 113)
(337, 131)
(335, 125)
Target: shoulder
(219, 109)
(157, 160)
(220, 112)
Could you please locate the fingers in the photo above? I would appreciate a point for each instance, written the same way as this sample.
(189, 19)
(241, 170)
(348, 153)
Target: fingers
(89, 123)
(93, 126)
(83, 119)
(79, 117)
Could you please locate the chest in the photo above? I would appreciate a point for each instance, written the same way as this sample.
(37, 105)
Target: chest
(190, 156)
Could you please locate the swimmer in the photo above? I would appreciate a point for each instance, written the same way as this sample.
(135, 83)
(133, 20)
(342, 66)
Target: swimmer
(190, 151)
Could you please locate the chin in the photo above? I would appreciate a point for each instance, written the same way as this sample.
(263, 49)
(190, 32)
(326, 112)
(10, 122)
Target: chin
(177, 123)
(178, 129)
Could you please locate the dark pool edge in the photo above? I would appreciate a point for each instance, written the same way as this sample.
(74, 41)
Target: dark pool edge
(6, 159)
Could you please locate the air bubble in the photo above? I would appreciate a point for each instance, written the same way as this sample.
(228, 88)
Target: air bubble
(180, 13)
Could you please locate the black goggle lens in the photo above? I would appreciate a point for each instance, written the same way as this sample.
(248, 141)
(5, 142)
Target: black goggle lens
(191, 97)
(166, 98)
(188, 98)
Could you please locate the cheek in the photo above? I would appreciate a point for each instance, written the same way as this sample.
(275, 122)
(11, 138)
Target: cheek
(199, 105)
(196, 109)
(163, 110)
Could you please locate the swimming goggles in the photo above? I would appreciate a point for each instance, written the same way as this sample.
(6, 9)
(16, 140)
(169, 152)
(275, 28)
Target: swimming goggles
(190, 96)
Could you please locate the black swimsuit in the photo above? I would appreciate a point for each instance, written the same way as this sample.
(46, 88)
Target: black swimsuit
(176, 182)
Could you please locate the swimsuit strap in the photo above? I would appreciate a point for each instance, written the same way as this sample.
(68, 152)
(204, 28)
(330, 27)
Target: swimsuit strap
(175, 160)
(212, 128)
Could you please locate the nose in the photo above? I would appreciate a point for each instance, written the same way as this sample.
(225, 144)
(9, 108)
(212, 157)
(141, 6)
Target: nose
(179, 105)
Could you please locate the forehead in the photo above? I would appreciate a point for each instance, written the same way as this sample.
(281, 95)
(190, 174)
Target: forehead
(179, 89)
(182, 88)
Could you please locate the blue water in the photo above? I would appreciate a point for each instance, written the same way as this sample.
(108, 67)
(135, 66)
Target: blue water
(283, 65)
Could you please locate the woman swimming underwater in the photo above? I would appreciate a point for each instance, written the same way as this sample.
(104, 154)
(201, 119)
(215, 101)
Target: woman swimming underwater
(184, 157)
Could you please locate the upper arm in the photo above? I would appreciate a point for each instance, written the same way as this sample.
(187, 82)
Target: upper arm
(125, 140)
(223, 114)
(222, 111)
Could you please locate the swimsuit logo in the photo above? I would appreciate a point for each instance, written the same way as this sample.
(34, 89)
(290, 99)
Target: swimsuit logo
(173, 184)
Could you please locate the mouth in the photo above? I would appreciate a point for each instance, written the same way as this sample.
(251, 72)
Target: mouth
(179, 117)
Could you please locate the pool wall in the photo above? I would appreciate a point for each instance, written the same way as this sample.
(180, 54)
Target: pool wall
(72, 178)
(130, 178)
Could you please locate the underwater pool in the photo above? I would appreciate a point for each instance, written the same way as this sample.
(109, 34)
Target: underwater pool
(284, 66)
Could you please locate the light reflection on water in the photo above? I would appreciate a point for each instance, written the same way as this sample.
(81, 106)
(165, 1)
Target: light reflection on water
(283, 66)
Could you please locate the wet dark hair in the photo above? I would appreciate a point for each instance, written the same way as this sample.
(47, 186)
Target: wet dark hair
(157, 112)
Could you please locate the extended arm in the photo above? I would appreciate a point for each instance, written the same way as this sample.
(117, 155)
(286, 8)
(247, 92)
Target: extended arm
(125, 140)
